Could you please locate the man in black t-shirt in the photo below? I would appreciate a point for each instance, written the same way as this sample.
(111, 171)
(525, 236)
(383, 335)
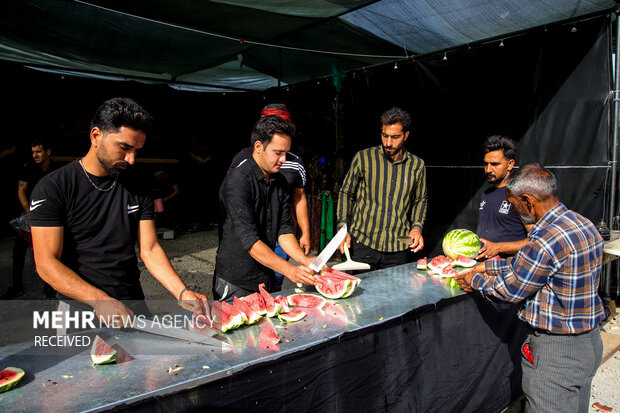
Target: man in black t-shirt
(499, 227)
(255, 201)
(88, 216)
(28, 178)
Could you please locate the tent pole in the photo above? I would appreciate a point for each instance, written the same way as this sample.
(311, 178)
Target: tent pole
(614, 148)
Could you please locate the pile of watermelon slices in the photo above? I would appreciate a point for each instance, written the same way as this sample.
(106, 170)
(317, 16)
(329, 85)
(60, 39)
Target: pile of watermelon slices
(333, 284)
(250, 309)
(444, 267)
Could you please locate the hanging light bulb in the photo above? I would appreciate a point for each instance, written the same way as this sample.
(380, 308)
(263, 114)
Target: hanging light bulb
(574, 29)
(395, 65)
(445, 56)
(501, 44)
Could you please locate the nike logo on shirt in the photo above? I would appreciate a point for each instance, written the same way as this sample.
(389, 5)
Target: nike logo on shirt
(35, 204)
(132, 208)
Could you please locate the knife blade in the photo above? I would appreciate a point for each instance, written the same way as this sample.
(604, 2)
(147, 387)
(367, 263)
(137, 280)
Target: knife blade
(328, 251)
(149, 326)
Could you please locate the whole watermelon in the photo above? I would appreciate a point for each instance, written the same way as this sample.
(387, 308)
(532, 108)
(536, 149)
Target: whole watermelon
(461, 242)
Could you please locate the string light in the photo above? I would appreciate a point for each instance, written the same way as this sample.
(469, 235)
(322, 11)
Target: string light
(395, 65)
(501, 44)
(445, 56)
(574, 29)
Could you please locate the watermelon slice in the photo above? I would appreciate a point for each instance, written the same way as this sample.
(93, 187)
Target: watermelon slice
(272, 307)
(295, 314)
(251, 315)
(9, 377)
(497, 257)
(355, 282)
(283, 303)
(223, 320)
(255, 302)
(268, 338)
(235, 312)
(102, 353)
(463, 261)
(448, 272)
(439, 263)
(306, 300)
(332, 287)
(422, 263)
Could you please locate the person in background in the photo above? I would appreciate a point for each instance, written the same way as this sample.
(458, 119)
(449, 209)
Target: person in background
(500, 229)
(88, 216)
(383, 197)
(555, 277)
(255, 202)
(29, 177)
(294, 172)
(165, 197)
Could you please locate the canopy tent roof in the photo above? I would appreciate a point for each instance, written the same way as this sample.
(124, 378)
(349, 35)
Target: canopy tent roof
(254, 44)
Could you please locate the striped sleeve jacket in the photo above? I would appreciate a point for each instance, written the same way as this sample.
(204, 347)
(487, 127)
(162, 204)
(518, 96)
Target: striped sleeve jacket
(380, 200)
(556, 275)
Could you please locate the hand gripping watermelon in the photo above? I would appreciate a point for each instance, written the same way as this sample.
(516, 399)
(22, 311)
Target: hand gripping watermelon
(461, 242)
(295, 314)
(9, 377)
(272, 307)
(102, 353)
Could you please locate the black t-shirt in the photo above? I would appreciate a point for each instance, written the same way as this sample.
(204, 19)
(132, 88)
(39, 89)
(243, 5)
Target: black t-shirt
(254, 210)
(100, 227)
(497, 220)
(32, 174)
(293, 168)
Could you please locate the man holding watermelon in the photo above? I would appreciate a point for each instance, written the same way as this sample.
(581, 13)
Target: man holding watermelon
(88, 216)
(499, 227)
(555, 277)
(383, 198)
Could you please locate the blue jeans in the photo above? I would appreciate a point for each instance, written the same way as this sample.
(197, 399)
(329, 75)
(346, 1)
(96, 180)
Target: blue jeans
(560, 378)
(279, 277)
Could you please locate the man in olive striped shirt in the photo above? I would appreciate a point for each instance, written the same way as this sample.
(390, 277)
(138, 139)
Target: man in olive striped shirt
(383, 197)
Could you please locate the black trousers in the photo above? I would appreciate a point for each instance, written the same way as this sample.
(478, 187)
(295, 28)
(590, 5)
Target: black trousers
(379, 259)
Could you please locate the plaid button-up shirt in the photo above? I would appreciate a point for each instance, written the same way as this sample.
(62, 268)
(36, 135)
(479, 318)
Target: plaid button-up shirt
(556, 274)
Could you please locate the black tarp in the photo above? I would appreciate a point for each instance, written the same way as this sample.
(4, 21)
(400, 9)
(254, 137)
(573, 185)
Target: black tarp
(461, 356)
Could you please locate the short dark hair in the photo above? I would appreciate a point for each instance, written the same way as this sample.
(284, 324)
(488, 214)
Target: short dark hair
(267, 126)
(532, 179)
(500, 143)
(117, 112)
(40, 141)
(396, 115)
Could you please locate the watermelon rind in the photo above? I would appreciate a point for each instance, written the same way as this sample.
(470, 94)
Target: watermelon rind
(422, 264)
(336, 294)
(461, 242)
(319, 302)
(110, 357)
(284, 308)
(462, 261)
(292, 316)
(7, 384)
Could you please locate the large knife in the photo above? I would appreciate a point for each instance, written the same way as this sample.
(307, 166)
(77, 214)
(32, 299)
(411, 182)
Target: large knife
(328, 251)
(149, 326)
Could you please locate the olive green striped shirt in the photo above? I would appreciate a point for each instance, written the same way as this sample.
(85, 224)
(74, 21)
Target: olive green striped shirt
(380, 200)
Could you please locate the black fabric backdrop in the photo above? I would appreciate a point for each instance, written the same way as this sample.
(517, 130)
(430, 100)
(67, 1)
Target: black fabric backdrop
(462, 356)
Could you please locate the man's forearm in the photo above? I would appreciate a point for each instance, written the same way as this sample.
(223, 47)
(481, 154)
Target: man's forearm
(21, 195)
(291, 247)
(301, 212)
(158, 264)
(265, 255)
(511, 247)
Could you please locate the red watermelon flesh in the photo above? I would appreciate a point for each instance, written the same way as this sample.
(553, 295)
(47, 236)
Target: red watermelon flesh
(330, 272)
(306, 300)
(235, 312)
(497, 257)
(448, 271)
(283, 303)
(332, 287)
(222, 319)
(422, 263)
(439, 263)
(270, 303)
(255, 302)
(268, 338)
(251, 315)
(463, 261)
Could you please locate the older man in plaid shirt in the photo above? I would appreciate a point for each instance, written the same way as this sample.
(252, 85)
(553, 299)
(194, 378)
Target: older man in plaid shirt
(556, 277)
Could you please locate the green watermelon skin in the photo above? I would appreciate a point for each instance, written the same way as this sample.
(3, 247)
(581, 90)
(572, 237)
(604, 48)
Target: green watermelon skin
(461, 242)
(9, 377)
